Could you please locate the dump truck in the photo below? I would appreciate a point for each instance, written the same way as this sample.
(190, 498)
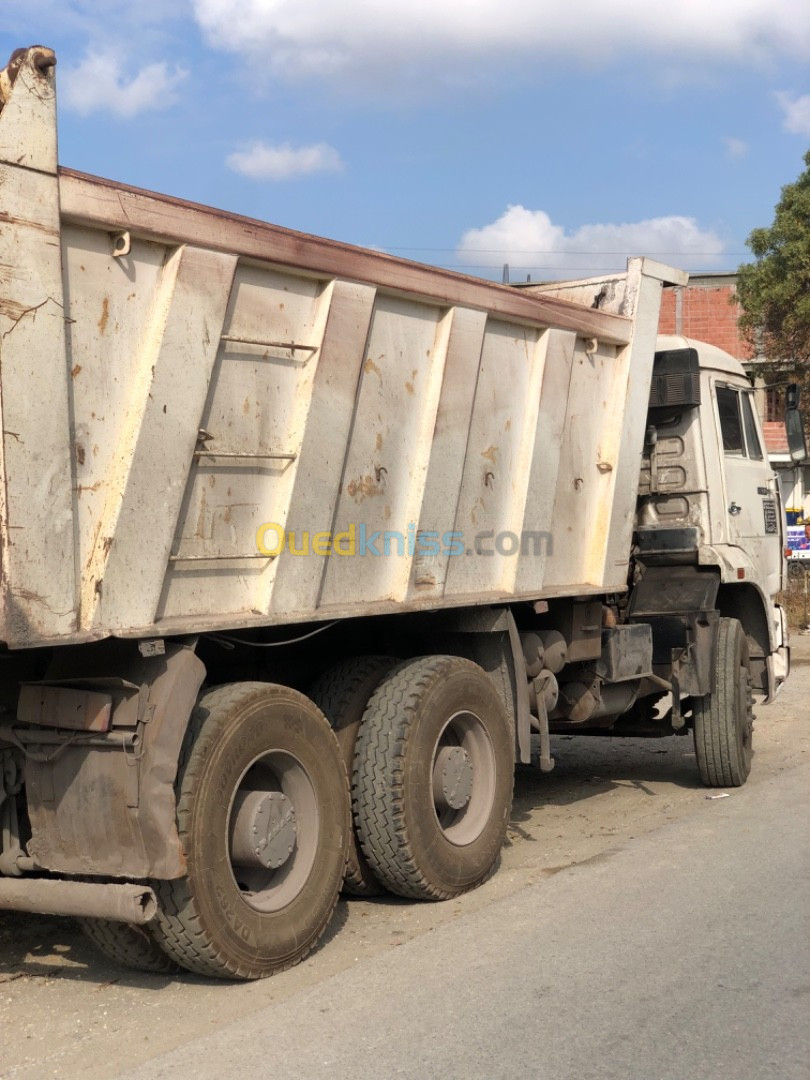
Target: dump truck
(304, 547)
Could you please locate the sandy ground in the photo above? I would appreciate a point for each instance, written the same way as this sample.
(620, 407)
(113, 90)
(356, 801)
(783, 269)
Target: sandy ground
(67, 1012)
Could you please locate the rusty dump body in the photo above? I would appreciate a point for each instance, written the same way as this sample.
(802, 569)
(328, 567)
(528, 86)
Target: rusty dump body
(175, 379)
(498, 514)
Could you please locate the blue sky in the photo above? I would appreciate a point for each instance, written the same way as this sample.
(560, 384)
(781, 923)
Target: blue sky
(557, 137)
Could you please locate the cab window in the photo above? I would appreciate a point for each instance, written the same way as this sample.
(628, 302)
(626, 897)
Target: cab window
(749, 424)
(737, 424)
(728, 406)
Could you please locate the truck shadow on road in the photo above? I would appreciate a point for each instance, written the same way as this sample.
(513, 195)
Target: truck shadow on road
(50, 948)
(585, 768)
(45, 947)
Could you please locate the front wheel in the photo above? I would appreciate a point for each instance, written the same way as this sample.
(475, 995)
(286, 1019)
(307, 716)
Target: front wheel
(263, 817)
(724, 720)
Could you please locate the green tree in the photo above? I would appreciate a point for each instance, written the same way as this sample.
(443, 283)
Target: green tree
(774, 290)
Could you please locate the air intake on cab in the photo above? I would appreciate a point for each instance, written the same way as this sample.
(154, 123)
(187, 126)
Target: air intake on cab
(675, 379)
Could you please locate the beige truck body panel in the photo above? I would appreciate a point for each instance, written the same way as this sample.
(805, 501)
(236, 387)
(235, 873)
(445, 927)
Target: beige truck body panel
(172, 379)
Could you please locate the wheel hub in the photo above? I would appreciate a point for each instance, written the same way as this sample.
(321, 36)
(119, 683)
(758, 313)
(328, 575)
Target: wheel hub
(452, 778)
(264, 829)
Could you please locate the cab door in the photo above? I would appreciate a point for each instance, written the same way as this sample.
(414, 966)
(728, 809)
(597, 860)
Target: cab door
(753, 511)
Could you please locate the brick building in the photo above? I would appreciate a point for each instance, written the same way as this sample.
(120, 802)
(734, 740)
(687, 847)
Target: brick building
(706, 309)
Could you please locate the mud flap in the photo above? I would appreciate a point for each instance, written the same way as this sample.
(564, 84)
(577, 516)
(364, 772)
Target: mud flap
(104, 804)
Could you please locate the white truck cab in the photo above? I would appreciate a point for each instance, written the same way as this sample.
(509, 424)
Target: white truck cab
(706, 476)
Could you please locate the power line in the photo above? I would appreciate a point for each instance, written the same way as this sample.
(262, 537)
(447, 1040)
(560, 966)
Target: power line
(580, 254)
(512, 266)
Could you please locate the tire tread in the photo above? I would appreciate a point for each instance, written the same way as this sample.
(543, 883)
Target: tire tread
(178, 925)
(335, 692)
(716, 750)
(378, 778)
(130, 946)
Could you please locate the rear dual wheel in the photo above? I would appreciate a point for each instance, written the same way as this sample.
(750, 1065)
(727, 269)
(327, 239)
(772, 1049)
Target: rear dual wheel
(131, 946)
(342, 693)
(263, 817)
(433, 777)
(263, 812)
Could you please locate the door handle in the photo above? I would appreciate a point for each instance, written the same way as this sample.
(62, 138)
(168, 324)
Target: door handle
(734, 509)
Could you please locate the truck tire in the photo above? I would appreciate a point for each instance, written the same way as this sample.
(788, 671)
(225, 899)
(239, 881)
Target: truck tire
(130, 946)
(433, 777)
(723, 720)
(263, 816)
(342, 694)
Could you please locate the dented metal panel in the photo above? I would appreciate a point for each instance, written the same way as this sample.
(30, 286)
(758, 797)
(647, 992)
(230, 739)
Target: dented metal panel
(213, 422)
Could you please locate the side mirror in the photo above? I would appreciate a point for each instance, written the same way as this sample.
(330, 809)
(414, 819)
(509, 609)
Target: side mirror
(794, 425)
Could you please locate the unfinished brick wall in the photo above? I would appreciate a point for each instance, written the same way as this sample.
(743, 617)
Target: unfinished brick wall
(706, 312)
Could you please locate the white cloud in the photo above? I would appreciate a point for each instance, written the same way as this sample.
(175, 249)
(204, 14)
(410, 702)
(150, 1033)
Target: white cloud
(796, 113)
(100, 82)
(735, 148)
(369, 38)
(261, 161)
(528, 239)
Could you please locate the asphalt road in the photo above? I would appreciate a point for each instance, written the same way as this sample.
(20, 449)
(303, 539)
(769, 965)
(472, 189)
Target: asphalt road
(686, 954)
(635, 928)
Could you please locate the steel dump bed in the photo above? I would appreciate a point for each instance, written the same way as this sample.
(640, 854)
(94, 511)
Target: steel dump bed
(181, 388)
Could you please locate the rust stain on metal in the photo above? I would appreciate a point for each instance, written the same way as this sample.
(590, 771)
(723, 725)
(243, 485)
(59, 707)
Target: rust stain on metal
(366, 486)
(80, 453)
(490, 453)
(28, 594)
(9, 219)
(74, 371)
(200, 532)
(427, 581)
(409, 387)
(12, 309)
(371, 366)
(105, 315)
(93, 546)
